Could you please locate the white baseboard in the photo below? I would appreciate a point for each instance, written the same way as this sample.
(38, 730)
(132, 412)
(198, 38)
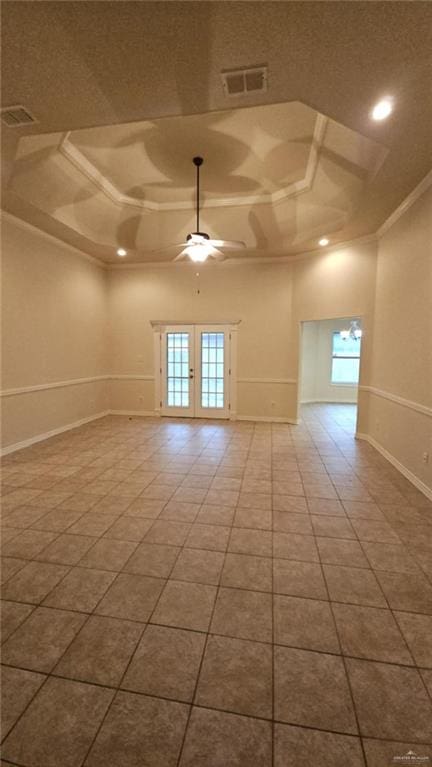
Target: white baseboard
(328, 401)
(145, 413)
(267, 419)
(40, 437)
(425, 489)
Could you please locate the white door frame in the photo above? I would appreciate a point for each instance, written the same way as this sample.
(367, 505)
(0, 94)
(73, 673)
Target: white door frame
(231, 327)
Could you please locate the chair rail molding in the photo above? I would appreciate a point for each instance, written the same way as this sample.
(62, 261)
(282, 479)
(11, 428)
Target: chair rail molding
(424, 409)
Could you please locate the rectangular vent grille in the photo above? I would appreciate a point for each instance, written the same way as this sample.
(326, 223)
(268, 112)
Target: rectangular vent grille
(13, 117)
(242, 81)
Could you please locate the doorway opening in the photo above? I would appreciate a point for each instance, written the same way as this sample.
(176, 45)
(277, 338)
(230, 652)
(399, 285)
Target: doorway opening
(330, 355)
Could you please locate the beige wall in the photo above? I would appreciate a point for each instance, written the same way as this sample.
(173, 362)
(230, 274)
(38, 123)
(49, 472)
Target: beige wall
(316, 363)
(271, 300)
(54, 329)
(258, 295)
(401, 363)
(336, 284)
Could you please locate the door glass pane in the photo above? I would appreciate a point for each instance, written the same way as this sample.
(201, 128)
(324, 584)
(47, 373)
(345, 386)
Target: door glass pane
(178, 369)
(212, 370)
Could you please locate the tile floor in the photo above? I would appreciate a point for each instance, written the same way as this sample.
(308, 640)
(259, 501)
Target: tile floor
(207, 594)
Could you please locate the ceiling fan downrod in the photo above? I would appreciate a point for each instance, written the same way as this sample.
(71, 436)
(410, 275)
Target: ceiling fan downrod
(198, 161)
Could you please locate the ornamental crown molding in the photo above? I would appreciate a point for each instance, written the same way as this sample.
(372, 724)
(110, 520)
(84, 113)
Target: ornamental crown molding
(88, 169)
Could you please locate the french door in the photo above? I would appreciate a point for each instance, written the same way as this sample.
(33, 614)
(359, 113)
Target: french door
(195, 371)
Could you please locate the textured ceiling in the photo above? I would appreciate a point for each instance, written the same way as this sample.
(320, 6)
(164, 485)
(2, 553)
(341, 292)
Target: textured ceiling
(123, 65)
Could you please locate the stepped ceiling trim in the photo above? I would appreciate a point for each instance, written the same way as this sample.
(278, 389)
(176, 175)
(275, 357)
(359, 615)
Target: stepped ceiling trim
(88, 169)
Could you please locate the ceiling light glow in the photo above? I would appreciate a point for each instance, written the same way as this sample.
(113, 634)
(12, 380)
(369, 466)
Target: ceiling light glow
(323, 242)
(199, 251)
(382, 109)
(121, 252)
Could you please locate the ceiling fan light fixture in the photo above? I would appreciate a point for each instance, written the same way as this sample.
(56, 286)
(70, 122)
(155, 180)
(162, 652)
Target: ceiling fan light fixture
(199, 252)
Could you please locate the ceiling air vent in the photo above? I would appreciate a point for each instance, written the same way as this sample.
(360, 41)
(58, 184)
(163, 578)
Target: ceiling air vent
(13, 117)
(239, 82)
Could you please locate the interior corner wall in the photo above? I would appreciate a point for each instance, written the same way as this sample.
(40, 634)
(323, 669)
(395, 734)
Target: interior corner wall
(396, 403)
(54, 331)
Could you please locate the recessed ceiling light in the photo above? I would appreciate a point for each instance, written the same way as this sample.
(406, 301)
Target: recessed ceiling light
(121, 252)
(382, 109)
(323, 242)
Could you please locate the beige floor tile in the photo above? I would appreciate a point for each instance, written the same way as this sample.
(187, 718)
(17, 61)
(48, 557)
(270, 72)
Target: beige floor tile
(40, 641)
(406, 591)
(254, 542)
(33, 582)
(10, 566)
(152, 559)
(353, 585)
(260, 519)
(304, 623)
(130, 597)
(391, 557)
(243, 614)
(254, 501)
(101, 651)
(18, 687)
(292, 546)
(166, 532)
(215, 515)
(291, 503)
(287, 522)
(140, 730)
(391, 701)
(28, 544)
(302, 680)
(108, 554)
(213, 537)
(58, 521)
(325, 506)
(180, 510)
(297, 745)
(215, 738)
(299, 579)
(166, 663)
(242, 571)
(12, 615)
(381, 753)
(185, 605)
(129, 529)
(59, 725)
(199, 566)
(333, 527)
(66, 549)
(369, 632)
(236, 676)
(417, 630)
(338, 551)
(81, 590)
(92, 524)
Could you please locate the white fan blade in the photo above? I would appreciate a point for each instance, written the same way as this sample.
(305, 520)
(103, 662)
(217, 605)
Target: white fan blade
(169, 247)
(217, 255)
(229, 244)
(181, 255)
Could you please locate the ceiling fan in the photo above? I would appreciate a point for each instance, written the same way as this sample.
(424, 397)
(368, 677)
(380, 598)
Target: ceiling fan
(199, 246)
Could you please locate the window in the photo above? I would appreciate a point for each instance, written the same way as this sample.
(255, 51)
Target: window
(178, 369)
(345, 360)
(212, 370)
